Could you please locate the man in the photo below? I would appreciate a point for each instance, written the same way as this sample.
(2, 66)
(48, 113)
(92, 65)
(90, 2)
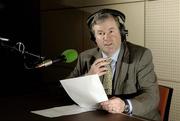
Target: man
(134, 85)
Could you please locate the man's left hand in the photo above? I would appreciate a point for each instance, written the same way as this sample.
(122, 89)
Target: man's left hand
(113, 105)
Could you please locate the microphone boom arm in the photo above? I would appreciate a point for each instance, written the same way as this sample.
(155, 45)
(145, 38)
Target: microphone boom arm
(22, 52)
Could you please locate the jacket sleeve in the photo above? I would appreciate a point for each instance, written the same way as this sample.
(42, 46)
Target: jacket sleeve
(148, 100)
(77, 70)
(80, 68)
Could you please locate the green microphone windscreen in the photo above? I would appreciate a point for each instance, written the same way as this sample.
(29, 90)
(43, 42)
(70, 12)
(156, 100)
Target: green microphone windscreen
(70, 55)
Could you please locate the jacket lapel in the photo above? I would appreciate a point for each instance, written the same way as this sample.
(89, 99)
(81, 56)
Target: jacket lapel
(121, 70)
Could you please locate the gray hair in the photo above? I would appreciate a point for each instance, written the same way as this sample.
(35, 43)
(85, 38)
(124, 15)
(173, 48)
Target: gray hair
(99, 18)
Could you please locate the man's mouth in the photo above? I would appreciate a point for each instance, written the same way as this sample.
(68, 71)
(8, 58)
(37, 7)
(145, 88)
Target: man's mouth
(108, 44)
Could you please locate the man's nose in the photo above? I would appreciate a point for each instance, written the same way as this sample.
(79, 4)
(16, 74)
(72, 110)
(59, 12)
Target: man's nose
(106, 36)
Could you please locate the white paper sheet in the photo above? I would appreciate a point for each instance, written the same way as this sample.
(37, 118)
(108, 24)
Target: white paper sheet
(86, 91)
(61, 111)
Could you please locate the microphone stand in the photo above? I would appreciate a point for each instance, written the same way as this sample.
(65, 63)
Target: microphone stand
(21, 50)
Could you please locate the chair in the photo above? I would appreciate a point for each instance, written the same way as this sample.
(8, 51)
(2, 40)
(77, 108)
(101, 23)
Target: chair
(165, 101)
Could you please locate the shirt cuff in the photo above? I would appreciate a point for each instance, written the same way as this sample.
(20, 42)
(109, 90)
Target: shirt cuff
(130, 106)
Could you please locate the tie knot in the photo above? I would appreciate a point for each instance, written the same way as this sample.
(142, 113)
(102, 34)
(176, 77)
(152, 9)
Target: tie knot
(109, 60)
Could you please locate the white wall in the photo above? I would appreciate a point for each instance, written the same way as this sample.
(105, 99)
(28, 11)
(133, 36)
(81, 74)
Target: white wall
(162, 36)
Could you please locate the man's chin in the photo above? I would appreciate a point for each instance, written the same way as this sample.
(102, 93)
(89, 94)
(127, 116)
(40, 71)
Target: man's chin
(109, 51)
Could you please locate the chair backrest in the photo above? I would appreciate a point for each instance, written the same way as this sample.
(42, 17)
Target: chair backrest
(165, 101)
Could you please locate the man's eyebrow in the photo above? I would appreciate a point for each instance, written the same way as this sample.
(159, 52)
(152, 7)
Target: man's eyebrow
(111, 28)
(99, 30)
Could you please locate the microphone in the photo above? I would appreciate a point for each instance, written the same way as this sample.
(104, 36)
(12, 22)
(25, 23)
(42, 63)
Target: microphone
(67, 56)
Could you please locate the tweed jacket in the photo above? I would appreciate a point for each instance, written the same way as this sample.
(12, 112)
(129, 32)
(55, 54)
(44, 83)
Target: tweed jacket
(134, 77)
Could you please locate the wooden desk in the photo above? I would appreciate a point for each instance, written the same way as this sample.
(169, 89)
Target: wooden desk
(99, 116)
(17, 108)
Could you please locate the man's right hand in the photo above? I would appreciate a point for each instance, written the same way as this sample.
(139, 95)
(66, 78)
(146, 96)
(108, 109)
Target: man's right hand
(99, 67)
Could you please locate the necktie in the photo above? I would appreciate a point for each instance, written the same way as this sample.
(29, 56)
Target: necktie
(107, 82)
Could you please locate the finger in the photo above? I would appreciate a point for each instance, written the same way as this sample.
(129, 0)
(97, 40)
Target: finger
(104, 107)
(99, 60)
(102, 64)
(112, 110)
(116, 110)
(102, 71)
(104, 103)
(113, 97)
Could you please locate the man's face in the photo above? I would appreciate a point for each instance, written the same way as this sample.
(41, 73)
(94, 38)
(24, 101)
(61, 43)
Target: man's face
(107, 35)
